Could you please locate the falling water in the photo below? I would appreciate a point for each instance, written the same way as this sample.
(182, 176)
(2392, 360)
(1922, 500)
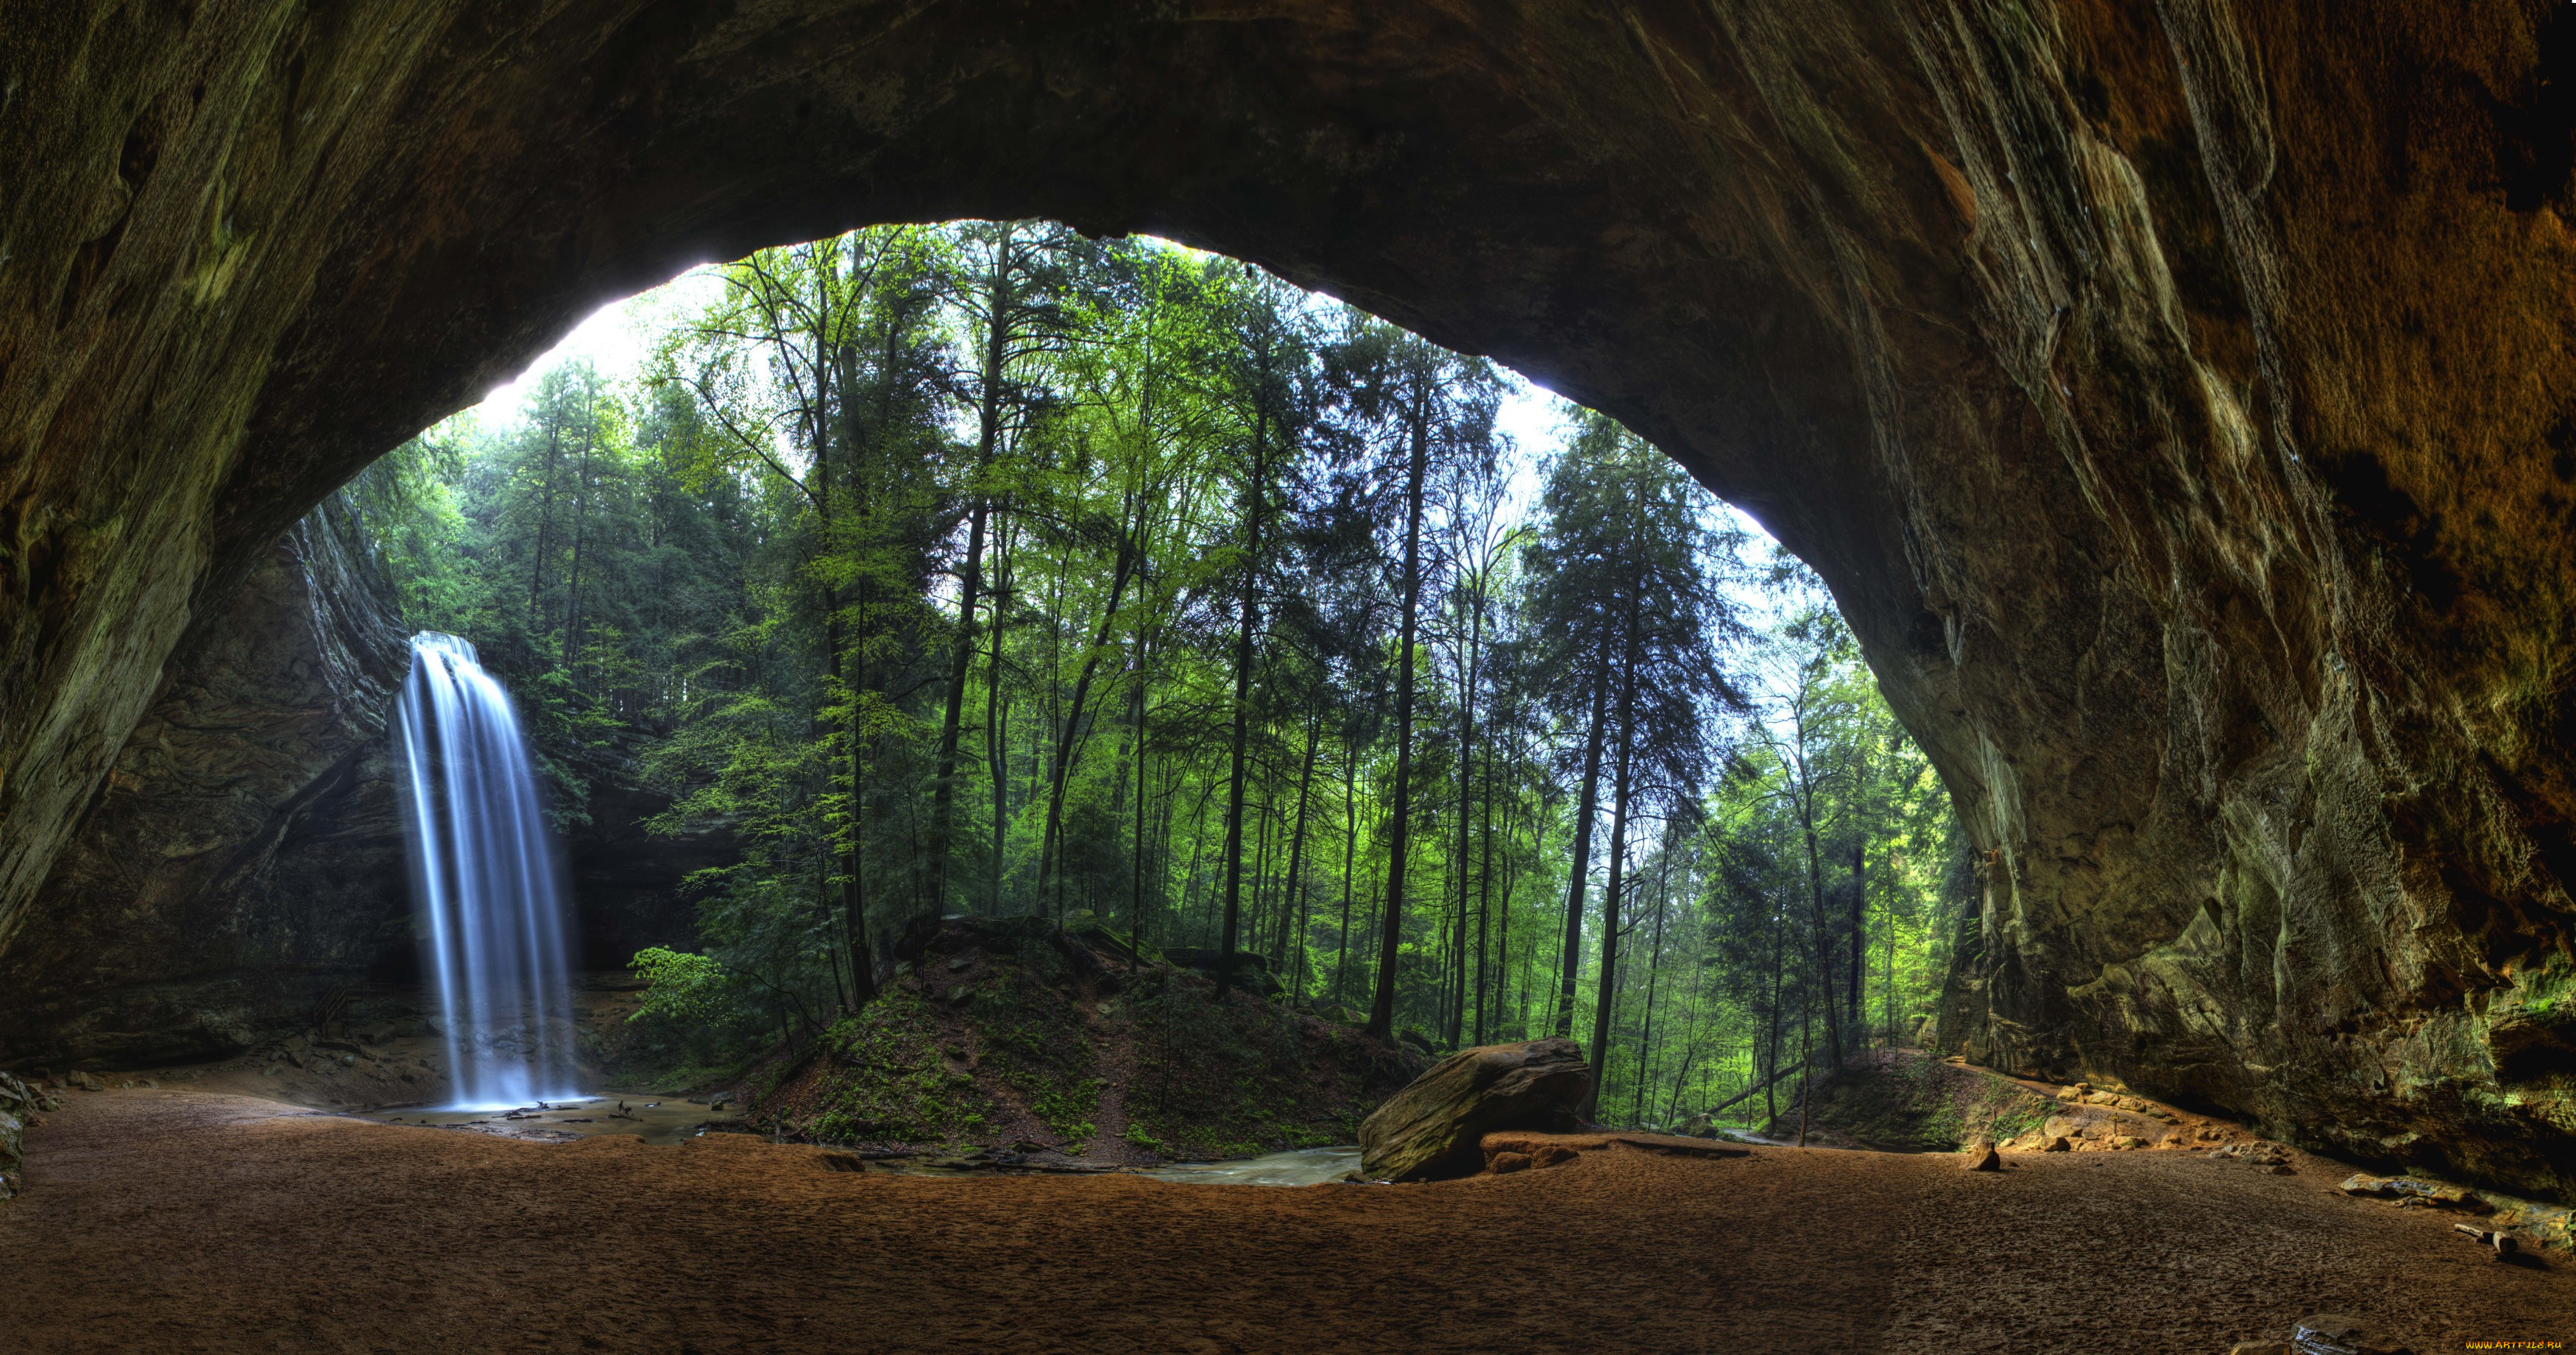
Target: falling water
(483, 872)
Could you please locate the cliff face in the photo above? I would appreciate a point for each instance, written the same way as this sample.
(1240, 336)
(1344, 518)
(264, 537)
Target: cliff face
(246, 854)
(2171, 393)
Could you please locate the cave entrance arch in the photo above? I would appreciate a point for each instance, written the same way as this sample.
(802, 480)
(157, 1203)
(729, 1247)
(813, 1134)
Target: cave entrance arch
(1995, 319)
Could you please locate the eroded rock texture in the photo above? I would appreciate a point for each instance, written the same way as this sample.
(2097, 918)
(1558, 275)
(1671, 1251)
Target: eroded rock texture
(2172, 393)
(246, 855)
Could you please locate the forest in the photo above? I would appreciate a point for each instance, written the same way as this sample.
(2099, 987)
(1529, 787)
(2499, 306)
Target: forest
(986, 568)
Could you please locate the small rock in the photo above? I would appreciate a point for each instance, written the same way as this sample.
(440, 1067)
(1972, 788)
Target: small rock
(147, 1082)
(1508, 1162)
(2127, 1142)
(2336, 1334)
(2057, 1145)
(1983, 1158)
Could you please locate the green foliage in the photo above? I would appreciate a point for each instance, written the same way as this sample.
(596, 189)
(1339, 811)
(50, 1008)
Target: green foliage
(688, 989)
(1180, 491)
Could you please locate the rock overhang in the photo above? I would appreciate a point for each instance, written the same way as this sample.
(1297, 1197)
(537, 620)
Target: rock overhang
(2165, 391)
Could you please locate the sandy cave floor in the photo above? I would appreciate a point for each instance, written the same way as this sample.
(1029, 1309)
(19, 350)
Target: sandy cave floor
(188, 1220)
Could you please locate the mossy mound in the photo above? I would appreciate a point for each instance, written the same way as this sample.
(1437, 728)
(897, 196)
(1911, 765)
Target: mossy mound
(1009, 1033)
(1902, 1100)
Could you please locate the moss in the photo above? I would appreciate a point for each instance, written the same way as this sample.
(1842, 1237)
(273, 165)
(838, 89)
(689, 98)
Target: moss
(1012, 1048)
(894, 1086)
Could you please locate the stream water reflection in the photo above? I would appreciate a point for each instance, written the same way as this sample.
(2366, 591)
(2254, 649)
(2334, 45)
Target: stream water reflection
(1296, 1167)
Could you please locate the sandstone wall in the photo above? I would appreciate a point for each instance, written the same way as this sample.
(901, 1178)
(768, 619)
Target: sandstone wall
(2170, 392)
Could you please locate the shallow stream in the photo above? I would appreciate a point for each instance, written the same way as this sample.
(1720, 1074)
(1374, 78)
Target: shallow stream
(654, 1119)
(1296, 1167)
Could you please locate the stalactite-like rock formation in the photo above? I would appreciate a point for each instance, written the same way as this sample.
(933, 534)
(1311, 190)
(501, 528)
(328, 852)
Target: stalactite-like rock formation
(2172, 394)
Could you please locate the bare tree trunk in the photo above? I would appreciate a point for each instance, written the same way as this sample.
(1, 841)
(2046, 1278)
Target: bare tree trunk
(1350, 852)
(970, 581)
(1297, 845)
(1136, 848)
(1654, 970)
(1125, 569)
(1605, 1000)
(997, 715)
(1855, 1022)
(1485, 903)
(1391, 933)
(1582, 868)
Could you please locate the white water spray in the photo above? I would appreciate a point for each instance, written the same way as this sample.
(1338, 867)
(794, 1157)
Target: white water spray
(483, 876)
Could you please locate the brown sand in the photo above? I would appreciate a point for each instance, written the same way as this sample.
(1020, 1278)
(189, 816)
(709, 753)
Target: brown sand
(182, 1220)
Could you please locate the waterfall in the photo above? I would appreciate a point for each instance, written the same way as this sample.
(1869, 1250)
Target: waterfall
(484, 879)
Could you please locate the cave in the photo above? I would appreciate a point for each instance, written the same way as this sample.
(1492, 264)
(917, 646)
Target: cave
(2166, 393)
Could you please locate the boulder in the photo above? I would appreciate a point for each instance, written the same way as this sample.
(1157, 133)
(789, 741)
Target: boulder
(1431, 1130)
(1982, 1157)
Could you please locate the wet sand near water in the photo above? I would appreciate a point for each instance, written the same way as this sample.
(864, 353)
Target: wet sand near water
(179, 1220)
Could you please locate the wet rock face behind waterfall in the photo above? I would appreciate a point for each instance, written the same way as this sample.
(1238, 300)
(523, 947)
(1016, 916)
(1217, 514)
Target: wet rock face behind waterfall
(243, 869)
(2173, 394)
(245, 858)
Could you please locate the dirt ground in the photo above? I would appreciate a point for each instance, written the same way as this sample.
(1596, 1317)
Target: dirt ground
(169, 1220)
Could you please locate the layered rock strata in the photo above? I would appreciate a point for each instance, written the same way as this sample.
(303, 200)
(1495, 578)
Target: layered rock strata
(244, 862)
(2172, 394)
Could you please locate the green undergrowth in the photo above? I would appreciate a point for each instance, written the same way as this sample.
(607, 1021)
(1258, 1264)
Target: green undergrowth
(1003, 1035)
(1904, 1101)
(1244, 1076)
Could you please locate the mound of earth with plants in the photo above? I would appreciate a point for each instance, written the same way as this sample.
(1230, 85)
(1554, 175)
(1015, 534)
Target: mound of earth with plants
(1904, 1100)
(1014, 1034)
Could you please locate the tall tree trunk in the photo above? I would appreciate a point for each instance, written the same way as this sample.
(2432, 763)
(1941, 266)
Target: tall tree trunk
(1654, 970)
(970, 581)
(1064, 749)
(1466, 816)
(1582, 869)
(580, 537)
(997, 715)
(1257, 497)
(1391, 932)
(1485, 901)
(545, 522)
(1136, 860)
(1824, 926)
(1297, 848)
(1854, 1021)
(1771, 1040)
(1350, 853)
(1606, 995)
